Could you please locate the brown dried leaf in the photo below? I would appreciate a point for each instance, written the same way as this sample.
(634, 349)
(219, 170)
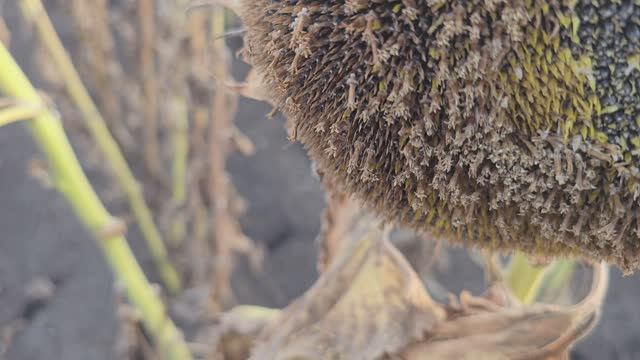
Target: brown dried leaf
(531, 332)
(367, 304)
(510, 334)
(370, 304)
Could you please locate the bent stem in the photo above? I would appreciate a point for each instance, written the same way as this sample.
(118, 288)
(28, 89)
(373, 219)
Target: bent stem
(15, 113)
(560, 274)
(70, 180)
(524, 279)
(35, 12)
(527, 282)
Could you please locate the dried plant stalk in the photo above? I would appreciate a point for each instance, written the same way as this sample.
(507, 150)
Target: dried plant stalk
(71, 181)
(337, 221)
(180, 143)
(174, 60)
(200, 115)
(228, 236)
(199, 248)
(225, 228)
(35, 12)
(100, 58)
(147, 18)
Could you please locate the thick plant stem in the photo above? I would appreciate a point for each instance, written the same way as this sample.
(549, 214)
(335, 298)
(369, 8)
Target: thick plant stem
(35, 12)
(524, 279)
(531, 283)
(559, 276)
(70, 179)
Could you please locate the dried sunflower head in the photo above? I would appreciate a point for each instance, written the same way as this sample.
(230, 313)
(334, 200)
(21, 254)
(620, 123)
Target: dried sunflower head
(502, 124)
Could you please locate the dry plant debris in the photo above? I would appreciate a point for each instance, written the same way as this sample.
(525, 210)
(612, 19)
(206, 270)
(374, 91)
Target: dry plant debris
(370, 304)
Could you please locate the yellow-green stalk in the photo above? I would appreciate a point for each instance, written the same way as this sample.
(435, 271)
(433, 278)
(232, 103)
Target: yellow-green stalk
(35, 12)
(179, 125)
(527, 282)
(69, 178)
(557, 280)
(15, 113)
(524, 279)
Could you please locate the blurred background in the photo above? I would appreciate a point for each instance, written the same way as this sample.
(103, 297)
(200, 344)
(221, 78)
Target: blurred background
(57, 295)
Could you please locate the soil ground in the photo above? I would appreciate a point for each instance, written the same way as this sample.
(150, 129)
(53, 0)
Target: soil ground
(41, 238)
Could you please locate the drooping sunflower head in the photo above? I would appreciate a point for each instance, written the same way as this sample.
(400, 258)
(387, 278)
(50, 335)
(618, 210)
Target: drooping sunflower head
(501, 124)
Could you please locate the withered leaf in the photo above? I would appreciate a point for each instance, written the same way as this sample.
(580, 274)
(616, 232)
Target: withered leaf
(368, 303)
(518, 333)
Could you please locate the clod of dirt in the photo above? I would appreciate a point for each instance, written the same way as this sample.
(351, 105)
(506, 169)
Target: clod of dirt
(38, 292)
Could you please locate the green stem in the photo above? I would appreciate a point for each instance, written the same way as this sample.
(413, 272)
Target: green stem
(524, 280)
(35, 12)
(560, 275)
(17, 113)
(70, 179)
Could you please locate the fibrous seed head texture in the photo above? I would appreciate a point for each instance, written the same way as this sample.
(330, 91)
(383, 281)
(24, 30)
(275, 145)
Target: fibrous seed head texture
(500, 124)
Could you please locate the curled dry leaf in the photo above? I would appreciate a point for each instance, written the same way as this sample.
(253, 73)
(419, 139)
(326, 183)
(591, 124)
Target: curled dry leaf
(367, 304)
(521, 332)
(370, 304)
